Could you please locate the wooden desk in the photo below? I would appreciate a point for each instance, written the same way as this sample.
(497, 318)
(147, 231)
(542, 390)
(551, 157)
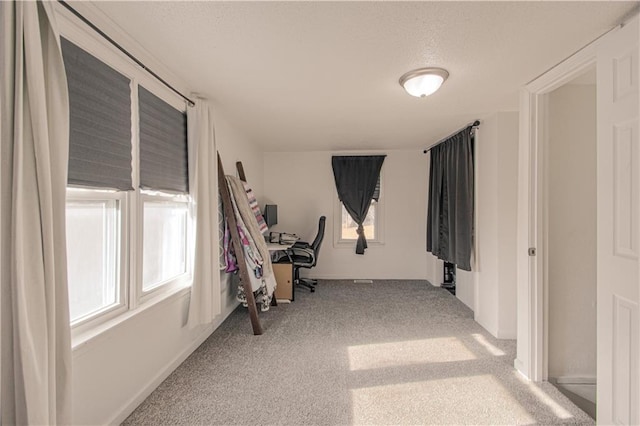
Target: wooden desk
(278, 247)
(283, 273)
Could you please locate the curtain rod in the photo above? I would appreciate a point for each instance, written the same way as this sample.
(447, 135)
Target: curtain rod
(123, 50)
(472, 125)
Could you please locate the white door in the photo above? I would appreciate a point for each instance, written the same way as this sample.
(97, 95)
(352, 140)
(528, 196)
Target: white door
(618, 227)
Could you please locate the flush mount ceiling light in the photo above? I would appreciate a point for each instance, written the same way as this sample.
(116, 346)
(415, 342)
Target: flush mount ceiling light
(423, 81)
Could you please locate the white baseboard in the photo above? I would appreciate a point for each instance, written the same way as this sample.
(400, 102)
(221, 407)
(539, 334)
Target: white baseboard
(519, 365)
(349, 278)
(576, 380)
(494, 333)
(511, 335)
(583, 386)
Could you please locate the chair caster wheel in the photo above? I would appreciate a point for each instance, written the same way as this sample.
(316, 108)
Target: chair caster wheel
(313, 290)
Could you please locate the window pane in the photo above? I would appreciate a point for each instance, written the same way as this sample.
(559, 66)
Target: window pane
(349, 226)
(92, 256)
(165, 249)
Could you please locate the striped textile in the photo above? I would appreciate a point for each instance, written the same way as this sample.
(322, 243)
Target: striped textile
(253, 203)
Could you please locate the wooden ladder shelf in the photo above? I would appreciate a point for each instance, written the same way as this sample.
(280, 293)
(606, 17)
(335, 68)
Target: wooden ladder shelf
(237, 245)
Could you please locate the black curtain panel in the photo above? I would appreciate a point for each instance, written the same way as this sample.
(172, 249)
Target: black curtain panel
(450, 210)
(356, 179)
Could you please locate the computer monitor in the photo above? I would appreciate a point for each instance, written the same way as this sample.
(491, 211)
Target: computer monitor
(270, 214)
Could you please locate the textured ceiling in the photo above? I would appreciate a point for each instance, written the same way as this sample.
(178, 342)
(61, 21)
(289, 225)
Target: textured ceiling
(324, 75)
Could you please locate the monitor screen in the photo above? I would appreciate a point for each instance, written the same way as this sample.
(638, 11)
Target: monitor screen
(271, 214)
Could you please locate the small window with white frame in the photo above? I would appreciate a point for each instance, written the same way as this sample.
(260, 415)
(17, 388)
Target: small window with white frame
(95, 257)
(165, 241)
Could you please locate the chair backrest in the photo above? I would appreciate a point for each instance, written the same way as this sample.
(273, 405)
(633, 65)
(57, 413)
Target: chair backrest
(317, 242)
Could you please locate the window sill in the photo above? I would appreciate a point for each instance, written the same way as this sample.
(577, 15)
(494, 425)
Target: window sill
(100, 331)
(343, 244)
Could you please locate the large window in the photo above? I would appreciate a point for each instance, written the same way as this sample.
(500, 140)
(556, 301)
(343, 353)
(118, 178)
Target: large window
(128, 208)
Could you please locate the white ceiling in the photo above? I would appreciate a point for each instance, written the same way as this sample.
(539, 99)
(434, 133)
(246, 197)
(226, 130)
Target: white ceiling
(324, 75)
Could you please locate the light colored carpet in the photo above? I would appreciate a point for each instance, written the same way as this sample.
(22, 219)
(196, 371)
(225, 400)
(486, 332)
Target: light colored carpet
(391, 352)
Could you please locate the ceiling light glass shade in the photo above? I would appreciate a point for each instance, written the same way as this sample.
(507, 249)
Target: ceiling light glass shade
(424, 81)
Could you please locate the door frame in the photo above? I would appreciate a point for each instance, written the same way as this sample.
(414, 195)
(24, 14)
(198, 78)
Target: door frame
(532, 306)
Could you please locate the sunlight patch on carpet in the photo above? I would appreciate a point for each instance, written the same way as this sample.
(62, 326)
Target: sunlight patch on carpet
(488, 346)
(457, 400)
(410, 352)
(545, 399)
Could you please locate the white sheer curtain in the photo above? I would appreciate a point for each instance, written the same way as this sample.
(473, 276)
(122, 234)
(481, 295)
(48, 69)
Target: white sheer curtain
(203, 185)
(36, 344)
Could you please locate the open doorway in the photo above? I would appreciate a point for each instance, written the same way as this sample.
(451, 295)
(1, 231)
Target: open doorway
(570, 274)
(617, 222)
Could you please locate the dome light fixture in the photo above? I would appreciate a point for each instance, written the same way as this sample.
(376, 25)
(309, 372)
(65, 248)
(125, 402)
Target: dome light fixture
(423, 81)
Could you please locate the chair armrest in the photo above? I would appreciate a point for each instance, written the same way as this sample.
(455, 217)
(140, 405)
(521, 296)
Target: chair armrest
(305, 253)
(301, 245)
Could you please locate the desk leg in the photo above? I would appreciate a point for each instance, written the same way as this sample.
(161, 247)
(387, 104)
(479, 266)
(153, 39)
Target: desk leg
(293, 284)
(293, 278)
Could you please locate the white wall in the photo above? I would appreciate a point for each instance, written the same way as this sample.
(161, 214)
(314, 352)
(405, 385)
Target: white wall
(497, 216)
(571, 266)
(233, 146)
(490, 289)
(302, 185)
(508, 133)
(466, 287)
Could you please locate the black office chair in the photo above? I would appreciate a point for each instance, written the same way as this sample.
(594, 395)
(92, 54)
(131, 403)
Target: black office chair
(305, 255)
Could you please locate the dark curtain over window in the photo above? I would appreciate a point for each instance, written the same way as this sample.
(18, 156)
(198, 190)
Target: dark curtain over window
(450, 210)
(356, 180)
(99, 121)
